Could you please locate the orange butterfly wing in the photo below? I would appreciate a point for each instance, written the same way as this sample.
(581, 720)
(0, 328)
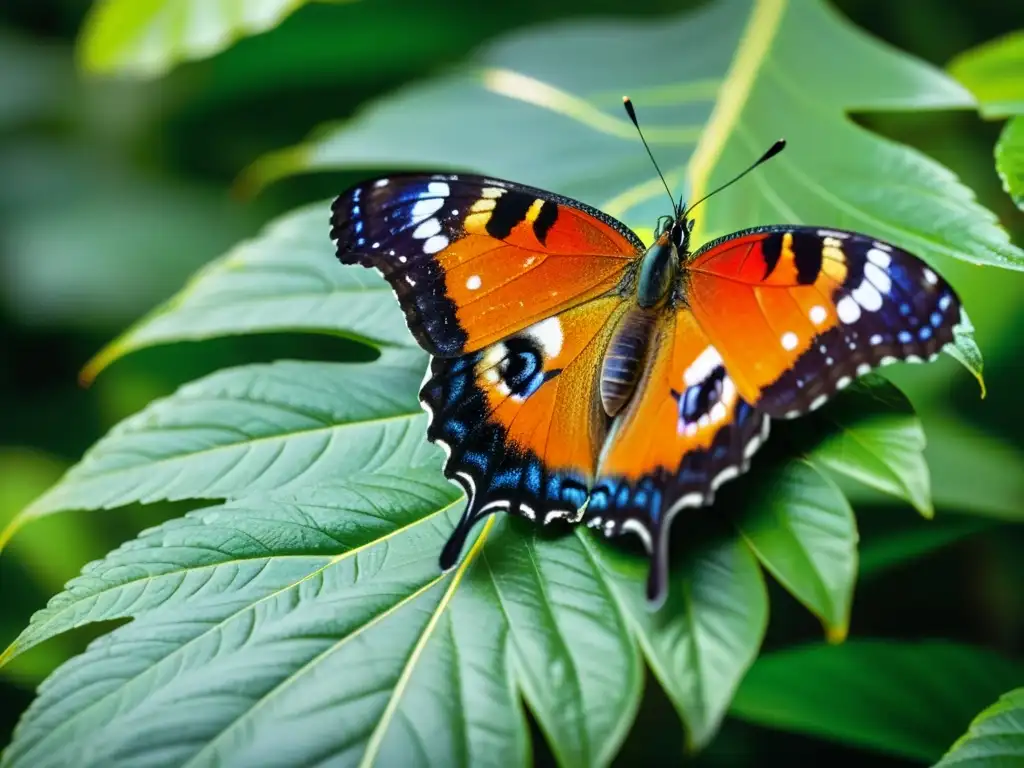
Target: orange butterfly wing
(474, 259)
(798, 312)
(520, 420)
(686, 430)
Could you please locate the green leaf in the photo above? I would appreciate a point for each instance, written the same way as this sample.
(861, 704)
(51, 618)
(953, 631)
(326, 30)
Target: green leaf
(243, 430)
(714, 88)
(706, 636)
(803, 531)
(876, 439)
(286, 279)
(146, 38)
(1010, 159)
(965, 349)
(907, 699)
(995, 738)
(992, 73)
(317, 627)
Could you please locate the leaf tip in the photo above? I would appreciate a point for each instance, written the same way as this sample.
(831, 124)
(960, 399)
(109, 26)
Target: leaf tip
(836, 635)
(8, 533)
(9, 653)
(98, 364)
(269, 168)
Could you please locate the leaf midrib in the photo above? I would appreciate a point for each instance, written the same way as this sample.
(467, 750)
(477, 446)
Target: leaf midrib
(758, 36)
(373, 745)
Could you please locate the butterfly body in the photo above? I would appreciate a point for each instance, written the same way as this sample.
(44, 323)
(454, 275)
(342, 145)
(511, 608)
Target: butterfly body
(578, 375)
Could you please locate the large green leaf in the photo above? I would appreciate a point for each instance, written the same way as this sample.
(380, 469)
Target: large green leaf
(292, 425)
(1010, 159)
(286, 279)
(296, 629)
(803, 530)
(242, 430)
(909, 699)
(148, 37)
(995, 738)
(992, 73)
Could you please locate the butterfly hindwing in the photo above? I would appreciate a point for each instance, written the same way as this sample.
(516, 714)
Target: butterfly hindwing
(474, 259)
(685, 431)
(520, 420)
(799, 312)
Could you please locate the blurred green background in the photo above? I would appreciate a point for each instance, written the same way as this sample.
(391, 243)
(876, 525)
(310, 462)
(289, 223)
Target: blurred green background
(112, 192)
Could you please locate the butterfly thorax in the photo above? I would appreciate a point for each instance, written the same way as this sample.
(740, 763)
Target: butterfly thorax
(657, 273)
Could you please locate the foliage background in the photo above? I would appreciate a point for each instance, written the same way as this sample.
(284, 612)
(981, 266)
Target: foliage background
(112, 193)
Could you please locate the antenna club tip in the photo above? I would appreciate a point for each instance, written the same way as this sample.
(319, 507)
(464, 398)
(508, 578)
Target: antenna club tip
(628, 104)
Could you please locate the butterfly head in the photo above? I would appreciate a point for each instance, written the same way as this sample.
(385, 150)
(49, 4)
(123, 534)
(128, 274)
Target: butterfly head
(674, 230)
(661, 263)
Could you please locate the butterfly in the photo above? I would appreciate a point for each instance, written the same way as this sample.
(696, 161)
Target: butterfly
(578, 375)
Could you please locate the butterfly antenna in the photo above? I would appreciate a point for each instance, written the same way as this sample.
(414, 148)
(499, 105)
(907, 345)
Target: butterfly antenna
(628, 104)
(775, 148)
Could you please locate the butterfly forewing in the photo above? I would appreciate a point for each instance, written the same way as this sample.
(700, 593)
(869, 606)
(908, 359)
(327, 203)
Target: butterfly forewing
(473, 259)
(797, 313)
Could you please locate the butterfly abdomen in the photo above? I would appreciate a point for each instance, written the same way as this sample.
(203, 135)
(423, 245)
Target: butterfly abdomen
(623, 361)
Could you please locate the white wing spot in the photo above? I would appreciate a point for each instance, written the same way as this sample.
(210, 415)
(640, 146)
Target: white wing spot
(380, 183)
(789, 340)
(548, 333)
(848, 310)
(438, 188)
(424, 209)
(818, 314)
(878, 277)
(843, 382)
(930, 276)
(863, 368)
(702, 366)
(876, 339)
(879, 257)
(867, 296)
(428, 228)
(473, 282)
(435, 244)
